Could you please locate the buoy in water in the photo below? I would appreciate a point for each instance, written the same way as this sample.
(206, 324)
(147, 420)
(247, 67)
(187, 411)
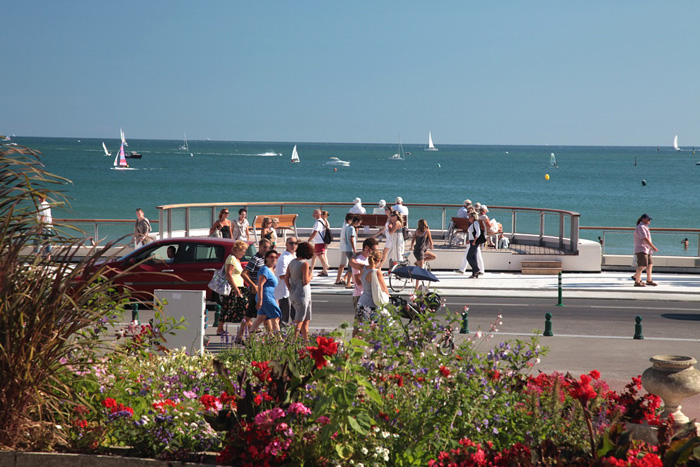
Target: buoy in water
(439, 165)
(644, 183)
(335, 169)
(546, 176)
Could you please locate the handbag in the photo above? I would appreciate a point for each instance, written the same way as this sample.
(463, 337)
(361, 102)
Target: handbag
(379, 297)
(219, 283)
(328, 235)
(215, 234)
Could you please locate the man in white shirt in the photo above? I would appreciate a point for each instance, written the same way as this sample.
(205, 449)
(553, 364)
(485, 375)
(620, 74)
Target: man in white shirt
(281, 291)
(463, 212)
(45, 220)
(380, 208)
(400, 207)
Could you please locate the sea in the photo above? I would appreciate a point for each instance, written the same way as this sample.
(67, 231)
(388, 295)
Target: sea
(608, 186)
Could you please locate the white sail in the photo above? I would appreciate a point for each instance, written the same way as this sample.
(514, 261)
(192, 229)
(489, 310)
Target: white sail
(675, 143)
(431, 146)
(120, 158)
(552, 160)
(107, 153)
(400, 155)
(295, 154)
(185, 146)
(123, 137)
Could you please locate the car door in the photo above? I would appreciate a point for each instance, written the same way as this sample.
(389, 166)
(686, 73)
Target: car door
(152, 267)
(196, 263)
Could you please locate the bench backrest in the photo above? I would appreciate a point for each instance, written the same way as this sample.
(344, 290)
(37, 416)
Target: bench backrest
(287, 221)
(373, 220)
(460, 223)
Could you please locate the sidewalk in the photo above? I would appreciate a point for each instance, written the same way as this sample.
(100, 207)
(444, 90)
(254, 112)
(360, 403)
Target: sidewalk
(609, 285)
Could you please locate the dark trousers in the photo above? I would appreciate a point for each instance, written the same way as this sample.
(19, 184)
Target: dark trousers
(471, 258)
(287, 311)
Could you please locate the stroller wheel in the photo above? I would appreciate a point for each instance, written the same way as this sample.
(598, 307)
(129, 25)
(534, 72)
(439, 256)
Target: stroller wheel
(446, 345)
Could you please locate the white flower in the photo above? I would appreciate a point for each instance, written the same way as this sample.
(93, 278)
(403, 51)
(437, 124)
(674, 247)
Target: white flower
(479, 334)
(376, 429)
(385, 434)
(364, 450)
(59, 427)
(537, 360)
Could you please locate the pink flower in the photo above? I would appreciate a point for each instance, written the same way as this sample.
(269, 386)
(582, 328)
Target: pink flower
(323, 420)
(190, 394)
(299, 408)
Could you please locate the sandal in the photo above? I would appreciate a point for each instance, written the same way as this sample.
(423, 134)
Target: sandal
(338, 282)
(652, 283)
(639, 284)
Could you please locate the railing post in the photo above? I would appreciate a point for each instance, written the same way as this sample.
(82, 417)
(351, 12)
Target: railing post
(97, 233)
(561, 231)
(444, 210)
(541, 228)
(514, 216)
(160, 222)
(170, 223)
(574, 234)
(187, 221)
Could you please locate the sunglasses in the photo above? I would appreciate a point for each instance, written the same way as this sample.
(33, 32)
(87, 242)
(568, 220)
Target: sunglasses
(225, 212)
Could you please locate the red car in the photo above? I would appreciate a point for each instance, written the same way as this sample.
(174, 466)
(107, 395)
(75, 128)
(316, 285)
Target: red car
(173, 263)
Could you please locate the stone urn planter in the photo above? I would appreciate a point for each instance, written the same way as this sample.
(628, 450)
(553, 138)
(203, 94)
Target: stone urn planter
(673, 378)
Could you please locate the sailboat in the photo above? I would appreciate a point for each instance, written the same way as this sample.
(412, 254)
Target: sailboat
(120, 159)
(295, 154)
(675, 143)
(553, 160)
(107, 153)
(400, 156)
(132, 154)
(431, 146)
(185, 146)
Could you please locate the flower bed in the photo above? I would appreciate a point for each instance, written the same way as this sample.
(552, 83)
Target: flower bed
(385, 398)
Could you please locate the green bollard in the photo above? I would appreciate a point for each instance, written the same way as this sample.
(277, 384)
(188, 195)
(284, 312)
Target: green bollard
(465, 321)
(561, 299)
(638, 328)
(548, 325)
(217, 315)
(135, 312)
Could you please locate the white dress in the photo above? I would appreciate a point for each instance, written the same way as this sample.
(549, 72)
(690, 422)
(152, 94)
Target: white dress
(397, 246)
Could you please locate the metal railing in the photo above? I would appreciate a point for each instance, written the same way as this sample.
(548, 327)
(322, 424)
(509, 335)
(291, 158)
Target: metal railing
(100, 230)
(554, 228)
(670, 241)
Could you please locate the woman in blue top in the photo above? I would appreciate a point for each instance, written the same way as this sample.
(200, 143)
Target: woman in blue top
(268, 310)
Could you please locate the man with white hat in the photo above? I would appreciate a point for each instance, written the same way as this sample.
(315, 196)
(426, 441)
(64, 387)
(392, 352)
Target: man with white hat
(380, 208)
(463, 212)
(400, 207)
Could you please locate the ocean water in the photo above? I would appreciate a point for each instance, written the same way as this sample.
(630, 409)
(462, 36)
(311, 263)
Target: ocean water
(603, 184)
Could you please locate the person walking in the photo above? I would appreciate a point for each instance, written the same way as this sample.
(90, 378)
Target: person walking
(318, 232)
(250, 277)
(357, 264)
(372, 282)
(643, 248)
(45, 221)
(222, 226)
(233, 305)
(348, 248)
(241, 226)
(268, 309)
(142, 227)
(473, 234)
(385, 231)
(298, 281)
(398, 244)
(282, 291)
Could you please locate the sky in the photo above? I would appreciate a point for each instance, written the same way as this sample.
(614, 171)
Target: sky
(472, 72)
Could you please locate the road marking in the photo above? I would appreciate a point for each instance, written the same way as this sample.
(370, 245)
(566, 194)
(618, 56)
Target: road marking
(679, 339)
(638, 308)
(497, 304)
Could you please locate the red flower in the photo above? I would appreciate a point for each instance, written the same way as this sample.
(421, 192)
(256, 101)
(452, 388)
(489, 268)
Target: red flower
(122, 408)
(495, 375)
(225, 398)
(109, 403)
(210, 402)
(582, 390)
(80, 423)
(595, 374)
(263, 373)
(326, 346)
(258, 399)
(445, 371)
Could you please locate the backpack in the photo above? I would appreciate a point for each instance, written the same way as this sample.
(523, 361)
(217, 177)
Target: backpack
(327, 235)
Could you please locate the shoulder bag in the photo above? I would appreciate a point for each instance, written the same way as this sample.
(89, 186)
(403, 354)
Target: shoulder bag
(219, 283)
(327, 234)
(379, 297)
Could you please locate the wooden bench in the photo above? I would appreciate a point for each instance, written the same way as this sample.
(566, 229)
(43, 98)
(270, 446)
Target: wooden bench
(286, 222)
(459, 225)
(373, 220)
(540, 267)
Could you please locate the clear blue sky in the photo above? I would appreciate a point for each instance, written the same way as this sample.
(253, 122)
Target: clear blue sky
(621, 72)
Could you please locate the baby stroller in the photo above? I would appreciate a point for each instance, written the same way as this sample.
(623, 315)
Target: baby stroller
(411, 310)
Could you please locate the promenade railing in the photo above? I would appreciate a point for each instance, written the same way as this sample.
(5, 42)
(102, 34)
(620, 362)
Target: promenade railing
(101, 230)
(552, 228)
(669, 241)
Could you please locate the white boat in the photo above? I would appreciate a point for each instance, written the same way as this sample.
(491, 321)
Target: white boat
(400, 156)
(295, 155)
(120, 158)
(553, 160)
(431, 146)
(336, 161)
(675, 143)
(185, 146)
(107, 153)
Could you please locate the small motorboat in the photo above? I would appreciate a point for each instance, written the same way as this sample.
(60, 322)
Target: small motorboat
(134, 155)
(336, 161)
